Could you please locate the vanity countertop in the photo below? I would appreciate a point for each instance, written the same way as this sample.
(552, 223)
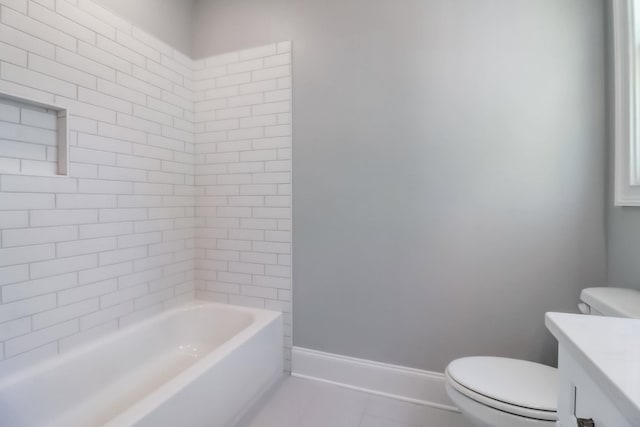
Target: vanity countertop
(608, 349)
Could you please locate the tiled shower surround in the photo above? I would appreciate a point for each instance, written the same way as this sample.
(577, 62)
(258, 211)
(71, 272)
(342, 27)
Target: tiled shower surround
(179, 183)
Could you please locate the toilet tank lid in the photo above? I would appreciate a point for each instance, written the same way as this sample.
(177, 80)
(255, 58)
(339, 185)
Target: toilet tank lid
(616, 302)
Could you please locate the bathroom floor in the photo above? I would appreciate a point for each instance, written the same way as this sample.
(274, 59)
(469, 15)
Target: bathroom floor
(304, 403)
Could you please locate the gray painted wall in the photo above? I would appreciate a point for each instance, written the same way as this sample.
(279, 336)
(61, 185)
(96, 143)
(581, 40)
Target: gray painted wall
(448, 168)
(168, 20)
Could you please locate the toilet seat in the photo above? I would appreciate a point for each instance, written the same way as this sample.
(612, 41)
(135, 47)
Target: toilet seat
(518, 387)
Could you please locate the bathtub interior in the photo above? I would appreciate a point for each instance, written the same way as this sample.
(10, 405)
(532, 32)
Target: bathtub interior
(102, 379)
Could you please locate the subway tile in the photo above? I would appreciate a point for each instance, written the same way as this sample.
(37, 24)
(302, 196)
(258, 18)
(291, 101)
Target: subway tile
(61, 71)
(38, 235)
(36, 80)
(27, 307)
(44, 218)
(64, 313)
(26, 254)
(122, 215)
(18, 183)
(85, 64)
(271, 108)
(93, 290)
(181, 65)
(22, 150)
(23, 40)
(138, 123)
(35, 28)
(85, 19)
(82, 170)
(13, 54)
(119, 174)
(85, 155)
(19, 90)
(153, 298)
(151, 41)
(86, 246)
(8, 165)
(152, 78)
(272, 247)
(9, 112)
(25, 133)
(165, 72)
(137, 84)
(277, 60)
(273, 282)
(223, 59)
(83, 201)
(105, 230)
(15, 328)
(129, 280)
(122, 133)
(258, 52)
(37, 339)
(152, 114)
(123, 295)
(284, 46)
(277, 96)
(61, 23)
(233, 80)
(14, 274)
(243, 66)
(37, 117)
(104, 15)
(270, 73)
(62, 265)
(137, 46)
(106, 101)
(122, 255)
(103, 57)
(104, 273)
(18, 5)
(35, 167)
(94, 186)
(209, 73)
(87, 110)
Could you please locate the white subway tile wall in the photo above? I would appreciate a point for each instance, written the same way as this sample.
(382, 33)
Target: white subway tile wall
(179, 184)
(242, 124)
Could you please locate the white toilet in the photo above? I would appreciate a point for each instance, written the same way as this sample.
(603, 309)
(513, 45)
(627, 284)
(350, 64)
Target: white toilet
(502, 392)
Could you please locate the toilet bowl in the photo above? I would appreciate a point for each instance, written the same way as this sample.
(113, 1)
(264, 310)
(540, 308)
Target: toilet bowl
(503, 392)
(495, 391)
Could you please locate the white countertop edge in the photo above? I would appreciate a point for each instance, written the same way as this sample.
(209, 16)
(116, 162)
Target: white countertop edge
(556, 324)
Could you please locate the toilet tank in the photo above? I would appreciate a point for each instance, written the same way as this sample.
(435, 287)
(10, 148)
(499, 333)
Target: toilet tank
(614, 302)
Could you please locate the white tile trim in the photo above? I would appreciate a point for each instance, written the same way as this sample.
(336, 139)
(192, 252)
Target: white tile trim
(397, 382)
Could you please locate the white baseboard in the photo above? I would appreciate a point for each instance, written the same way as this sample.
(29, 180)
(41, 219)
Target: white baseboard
(397, 382)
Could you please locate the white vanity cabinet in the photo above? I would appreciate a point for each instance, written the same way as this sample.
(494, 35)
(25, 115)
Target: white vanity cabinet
(580, 397)
(599, 369)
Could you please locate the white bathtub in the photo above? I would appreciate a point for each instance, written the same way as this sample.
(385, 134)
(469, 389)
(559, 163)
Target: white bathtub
(196, 365)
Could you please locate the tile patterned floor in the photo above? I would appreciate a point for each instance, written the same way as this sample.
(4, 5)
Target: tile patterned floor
(303, 403)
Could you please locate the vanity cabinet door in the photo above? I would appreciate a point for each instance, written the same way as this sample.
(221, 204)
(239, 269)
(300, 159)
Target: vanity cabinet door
(581, 398)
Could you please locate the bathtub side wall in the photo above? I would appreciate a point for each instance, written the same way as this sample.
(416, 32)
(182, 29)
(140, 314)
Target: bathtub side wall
(112, 243)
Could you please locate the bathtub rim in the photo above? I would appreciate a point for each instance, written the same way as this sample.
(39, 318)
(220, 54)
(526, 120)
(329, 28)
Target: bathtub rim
(260, 319)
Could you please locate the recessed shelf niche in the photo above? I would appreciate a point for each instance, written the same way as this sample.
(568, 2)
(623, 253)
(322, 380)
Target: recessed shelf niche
(34, 137)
